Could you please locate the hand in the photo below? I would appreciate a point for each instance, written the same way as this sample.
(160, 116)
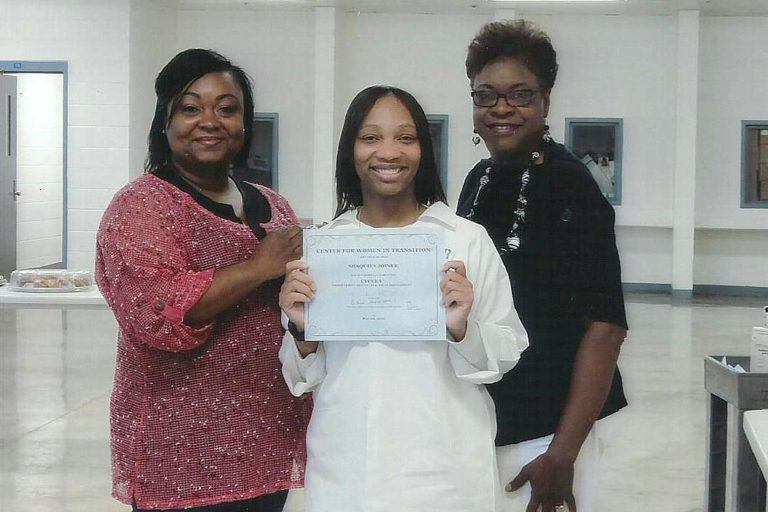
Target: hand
(298, 289)
(276, 250)
(458, 297)
(551, 482)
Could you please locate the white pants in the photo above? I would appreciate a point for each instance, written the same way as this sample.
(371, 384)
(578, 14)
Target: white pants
(513, 457)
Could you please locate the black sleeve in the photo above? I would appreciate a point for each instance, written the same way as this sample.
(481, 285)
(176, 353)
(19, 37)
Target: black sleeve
(603, 298)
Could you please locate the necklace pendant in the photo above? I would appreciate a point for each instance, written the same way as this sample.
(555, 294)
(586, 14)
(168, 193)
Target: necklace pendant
(513, 242)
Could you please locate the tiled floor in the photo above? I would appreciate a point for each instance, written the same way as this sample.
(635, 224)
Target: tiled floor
(57, 373)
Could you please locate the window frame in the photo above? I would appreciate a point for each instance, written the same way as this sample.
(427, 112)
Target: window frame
(744, 186)
(618, 124)
(442, 121)
(274, 119)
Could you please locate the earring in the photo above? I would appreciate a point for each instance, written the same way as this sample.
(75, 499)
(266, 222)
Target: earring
(475, 138)
(546, 137)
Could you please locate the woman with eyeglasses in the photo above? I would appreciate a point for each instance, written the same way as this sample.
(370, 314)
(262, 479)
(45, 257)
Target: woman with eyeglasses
(555, 233)
(403, 425)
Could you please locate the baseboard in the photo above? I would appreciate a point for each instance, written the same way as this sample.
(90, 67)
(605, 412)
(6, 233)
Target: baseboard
(698, 289)
(733, 291)
(647, 288)
(682, 294)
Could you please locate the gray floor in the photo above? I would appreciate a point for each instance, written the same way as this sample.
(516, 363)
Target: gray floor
(57, 373)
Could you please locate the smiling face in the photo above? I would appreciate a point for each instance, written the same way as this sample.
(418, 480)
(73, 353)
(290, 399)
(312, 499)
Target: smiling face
(206, 128)
(506, 130)
(387, 151)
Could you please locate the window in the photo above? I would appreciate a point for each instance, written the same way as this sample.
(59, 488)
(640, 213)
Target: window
(598, 143)
(754, 164)
(261, 165)
(438, 129)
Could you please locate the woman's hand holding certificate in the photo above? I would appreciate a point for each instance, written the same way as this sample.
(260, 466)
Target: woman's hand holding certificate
(376, 284)
(298, 289)
(458, 296)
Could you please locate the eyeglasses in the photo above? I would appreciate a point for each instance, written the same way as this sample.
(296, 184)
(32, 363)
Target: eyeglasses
(517, 98)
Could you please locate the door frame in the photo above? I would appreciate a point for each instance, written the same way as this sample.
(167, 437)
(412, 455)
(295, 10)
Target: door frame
(8, 180)
(60, 67)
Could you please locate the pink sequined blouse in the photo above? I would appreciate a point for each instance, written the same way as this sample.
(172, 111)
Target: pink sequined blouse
(198, 416)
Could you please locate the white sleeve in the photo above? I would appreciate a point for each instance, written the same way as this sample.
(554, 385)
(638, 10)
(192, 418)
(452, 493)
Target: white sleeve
(495, 336)
(301, 374)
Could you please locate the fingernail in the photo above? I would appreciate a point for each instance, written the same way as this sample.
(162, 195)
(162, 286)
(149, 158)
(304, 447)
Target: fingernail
(508, 488)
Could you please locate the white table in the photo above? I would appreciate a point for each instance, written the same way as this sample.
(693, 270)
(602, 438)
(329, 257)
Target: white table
(756, 429)
(91, 298)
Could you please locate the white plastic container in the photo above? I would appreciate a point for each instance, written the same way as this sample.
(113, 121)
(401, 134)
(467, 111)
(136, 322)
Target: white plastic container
(758, 355)
(51, 281)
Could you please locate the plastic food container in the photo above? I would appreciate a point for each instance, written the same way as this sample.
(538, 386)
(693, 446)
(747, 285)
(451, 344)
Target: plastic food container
(51, 281)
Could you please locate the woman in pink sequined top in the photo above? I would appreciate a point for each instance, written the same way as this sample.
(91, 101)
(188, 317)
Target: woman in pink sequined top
(191, 262)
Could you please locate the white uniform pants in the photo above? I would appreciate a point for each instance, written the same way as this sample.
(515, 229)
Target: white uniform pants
(513, 457)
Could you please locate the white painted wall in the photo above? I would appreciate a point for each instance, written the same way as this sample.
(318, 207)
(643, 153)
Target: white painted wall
(40, 168)
(686, 119)
(152, 44)
(608, 68)
(622, 66)
(276, 49)
(731, 242)
(93, 37)
(326, 44)
(731, 257)
(733, 87)
(646, 254)
(611, 66)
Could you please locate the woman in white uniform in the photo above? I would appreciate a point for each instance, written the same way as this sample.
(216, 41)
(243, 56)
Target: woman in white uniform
(403, 426)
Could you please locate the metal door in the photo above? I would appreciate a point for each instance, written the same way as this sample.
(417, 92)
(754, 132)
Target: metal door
(8, 187)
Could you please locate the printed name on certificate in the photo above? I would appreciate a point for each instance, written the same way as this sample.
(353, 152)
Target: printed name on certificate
(375, 284)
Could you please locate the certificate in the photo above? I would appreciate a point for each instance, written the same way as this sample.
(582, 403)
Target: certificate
(375, 284)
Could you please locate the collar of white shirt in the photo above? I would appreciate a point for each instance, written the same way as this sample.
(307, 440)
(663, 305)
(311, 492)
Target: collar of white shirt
(437, 213)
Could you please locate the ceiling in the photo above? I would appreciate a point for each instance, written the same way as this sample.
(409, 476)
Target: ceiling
(626, 7)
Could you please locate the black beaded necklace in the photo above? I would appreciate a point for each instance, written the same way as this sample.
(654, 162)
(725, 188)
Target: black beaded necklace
(512, 239)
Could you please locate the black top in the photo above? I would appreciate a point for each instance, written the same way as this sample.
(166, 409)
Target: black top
(255, 205)
(565, 272)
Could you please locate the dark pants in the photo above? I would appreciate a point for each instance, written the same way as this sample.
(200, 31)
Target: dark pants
(268, 503)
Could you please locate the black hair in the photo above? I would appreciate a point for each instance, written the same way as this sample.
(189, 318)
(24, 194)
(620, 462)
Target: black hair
(349, 193)
(174, 79)
(518, 39)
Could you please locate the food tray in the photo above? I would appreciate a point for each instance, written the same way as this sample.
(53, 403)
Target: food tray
(51, 281)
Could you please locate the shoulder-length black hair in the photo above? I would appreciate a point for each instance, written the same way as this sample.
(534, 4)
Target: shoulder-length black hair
(348, 191)
(174, 79)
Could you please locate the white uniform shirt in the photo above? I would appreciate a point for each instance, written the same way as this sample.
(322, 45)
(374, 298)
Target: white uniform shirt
(408, 426)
